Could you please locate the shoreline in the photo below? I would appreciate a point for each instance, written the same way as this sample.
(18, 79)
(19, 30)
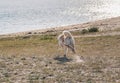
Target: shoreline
(103, 25)
(36, 58)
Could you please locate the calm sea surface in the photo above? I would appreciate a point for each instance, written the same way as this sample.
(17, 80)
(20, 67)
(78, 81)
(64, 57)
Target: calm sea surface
(23, 15)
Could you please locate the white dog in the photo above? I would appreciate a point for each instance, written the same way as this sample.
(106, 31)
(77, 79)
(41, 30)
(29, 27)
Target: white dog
(66, 41)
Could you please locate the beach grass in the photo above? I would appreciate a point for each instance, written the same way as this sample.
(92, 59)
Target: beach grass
(48, 44)
(37, 59)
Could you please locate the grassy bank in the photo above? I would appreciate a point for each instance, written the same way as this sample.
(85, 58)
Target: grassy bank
(47, 44)
(37, 59)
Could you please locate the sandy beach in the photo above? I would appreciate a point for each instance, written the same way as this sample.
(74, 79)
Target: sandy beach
(103, 25)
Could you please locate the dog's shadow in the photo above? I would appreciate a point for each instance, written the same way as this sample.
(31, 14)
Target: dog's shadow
(62, 59)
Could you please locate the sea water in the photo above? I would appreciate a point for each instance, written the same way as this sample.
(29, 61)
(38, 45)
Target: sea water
(24, 15)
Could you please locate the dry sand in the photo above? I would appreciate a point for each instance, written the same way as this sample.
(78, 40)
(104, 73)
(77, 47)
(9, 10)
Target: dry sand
(103, 25)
